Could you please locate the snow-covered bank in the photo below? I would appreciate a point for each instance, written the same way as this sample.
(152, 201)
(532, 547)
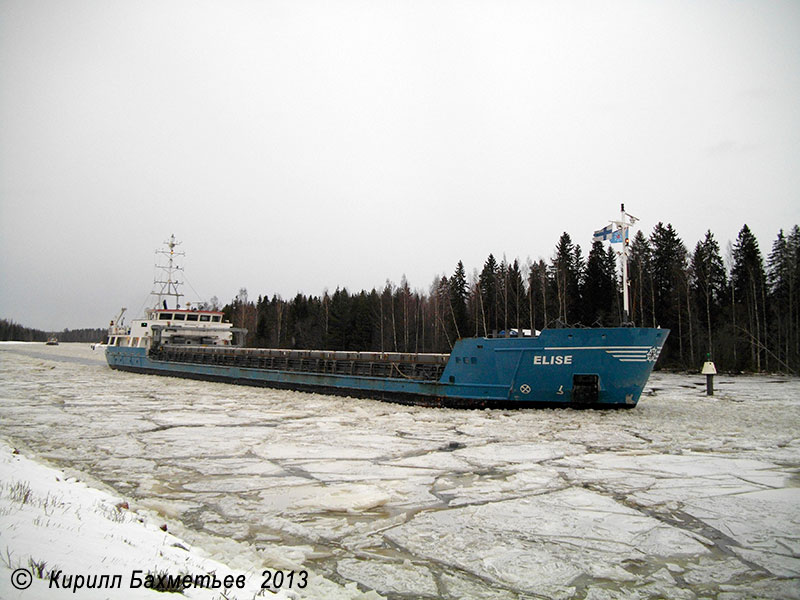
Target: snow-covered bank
(62, 538)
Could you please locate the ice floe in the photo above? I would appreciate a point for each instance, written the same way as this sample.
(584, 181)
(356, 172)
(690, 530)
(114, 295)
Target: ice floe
(684, 496)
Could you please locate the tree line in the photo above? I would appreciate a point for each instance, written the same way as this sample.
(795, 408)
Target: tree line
(11, 331)
(743, 310)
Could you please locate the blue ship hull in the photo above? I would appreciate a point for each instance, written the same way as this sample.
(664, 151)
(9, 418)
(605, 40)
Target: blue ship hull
(560, 367)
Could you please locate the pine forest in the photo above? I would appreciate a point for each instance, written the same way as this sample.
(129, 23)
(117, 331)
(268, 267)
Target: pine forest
(734, 305)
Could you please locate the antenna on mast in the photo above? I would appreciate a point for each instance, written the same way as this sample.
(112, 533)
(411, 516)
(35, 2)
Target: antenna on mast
(624, 224)
(169, 285)
(618, 233)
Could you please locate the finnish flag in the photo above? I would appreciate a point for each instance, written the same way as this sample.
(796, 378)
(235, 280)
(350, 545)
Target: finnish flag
(603, 234)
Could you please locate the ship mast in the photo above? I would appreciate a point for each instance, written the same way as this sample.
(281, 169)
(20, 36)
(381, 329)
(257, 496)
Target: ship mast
(169, 284)
(622, 228)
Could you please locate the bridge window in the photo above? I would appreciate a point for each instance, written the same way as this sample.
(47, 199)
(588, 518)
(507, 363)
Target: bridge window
(215, 318)
(205, 317)
(191, 317)
(180, 317)
(164, 316)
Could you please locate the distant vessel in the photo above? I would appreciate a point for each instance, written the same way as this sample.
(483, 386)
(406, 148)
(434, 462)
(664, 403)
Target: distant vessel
(580, 367)
(52, 341)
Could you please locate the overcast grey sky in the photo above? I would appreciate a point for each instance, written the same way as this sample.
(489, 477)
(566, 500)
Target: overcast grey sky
(298, 146)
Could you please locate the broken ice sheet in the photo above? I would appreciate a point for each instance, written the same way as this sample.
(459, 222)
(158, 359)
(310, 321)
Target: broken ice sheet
(491, 455)
(358, 470)
(705, 570)
(239, 466)
(456, 584)
(397, 578)
(765, 526)
(343, 498)
(543, 543)
(435, 461)
(653, 479)
(685, 465)
(472, 488)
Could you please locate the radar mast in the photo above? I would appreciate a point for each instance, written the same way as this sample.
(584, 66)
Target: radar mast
(166, 277)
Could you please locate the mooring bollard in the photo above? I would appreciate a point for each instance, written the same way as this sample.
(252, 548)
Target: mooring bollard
(709, 370)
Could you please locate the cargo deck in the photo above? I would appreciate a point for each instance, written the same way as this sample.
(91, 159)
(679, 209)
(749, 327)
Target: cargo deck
(417, 367)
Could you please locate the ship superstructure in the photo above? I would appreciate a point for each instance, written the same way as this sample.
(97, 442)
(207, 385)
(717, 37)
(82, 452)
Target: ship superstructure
(161, 325)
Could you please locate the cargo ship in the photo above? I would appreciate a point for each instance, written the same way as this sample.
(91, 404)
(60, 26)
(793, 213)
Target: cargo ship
(567, 367)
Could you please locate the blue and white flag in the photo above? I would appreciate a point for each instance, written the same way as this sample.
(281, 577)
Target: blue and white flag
(603, 234)
(619, 236)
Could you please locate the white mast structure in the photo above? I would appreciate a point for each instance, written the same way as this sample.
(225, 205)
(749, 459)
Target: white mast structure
(622, 226)
(169, 286)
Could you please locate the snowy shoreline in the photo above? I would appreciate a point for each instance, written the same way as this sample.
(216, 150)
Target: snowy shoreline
(61, 537)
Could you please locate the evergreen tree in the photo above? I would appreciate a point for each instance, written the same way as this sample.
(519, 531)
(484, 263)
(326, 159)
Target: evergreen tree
(360, 329)
(748, 281)
(793, 243)
(502, 295)
(538, 298)
(487, 283)
(261, 339)
(579, 269)
(599, 287)
(516, 293)
(566, 276)
(640, 281)
(403, 303)
(670, 287)
(304, 326)
(388, 329)
(615, 314)
(445, 315)
(458, 300)
(339, 321)
(474, 306)
(708, 284)
(782, 281)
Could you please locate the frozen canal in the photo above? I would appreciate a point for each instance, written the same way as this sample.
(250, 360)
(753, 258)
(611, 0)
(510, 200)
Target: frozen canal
(682, 497)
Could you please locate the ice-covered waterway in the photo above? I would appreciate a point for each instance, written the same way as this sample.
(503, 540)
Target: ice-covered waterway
(682, 497)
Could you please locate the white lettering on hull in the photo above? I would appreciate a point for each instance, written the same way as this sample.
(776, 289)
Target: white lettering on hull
(558, 359)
